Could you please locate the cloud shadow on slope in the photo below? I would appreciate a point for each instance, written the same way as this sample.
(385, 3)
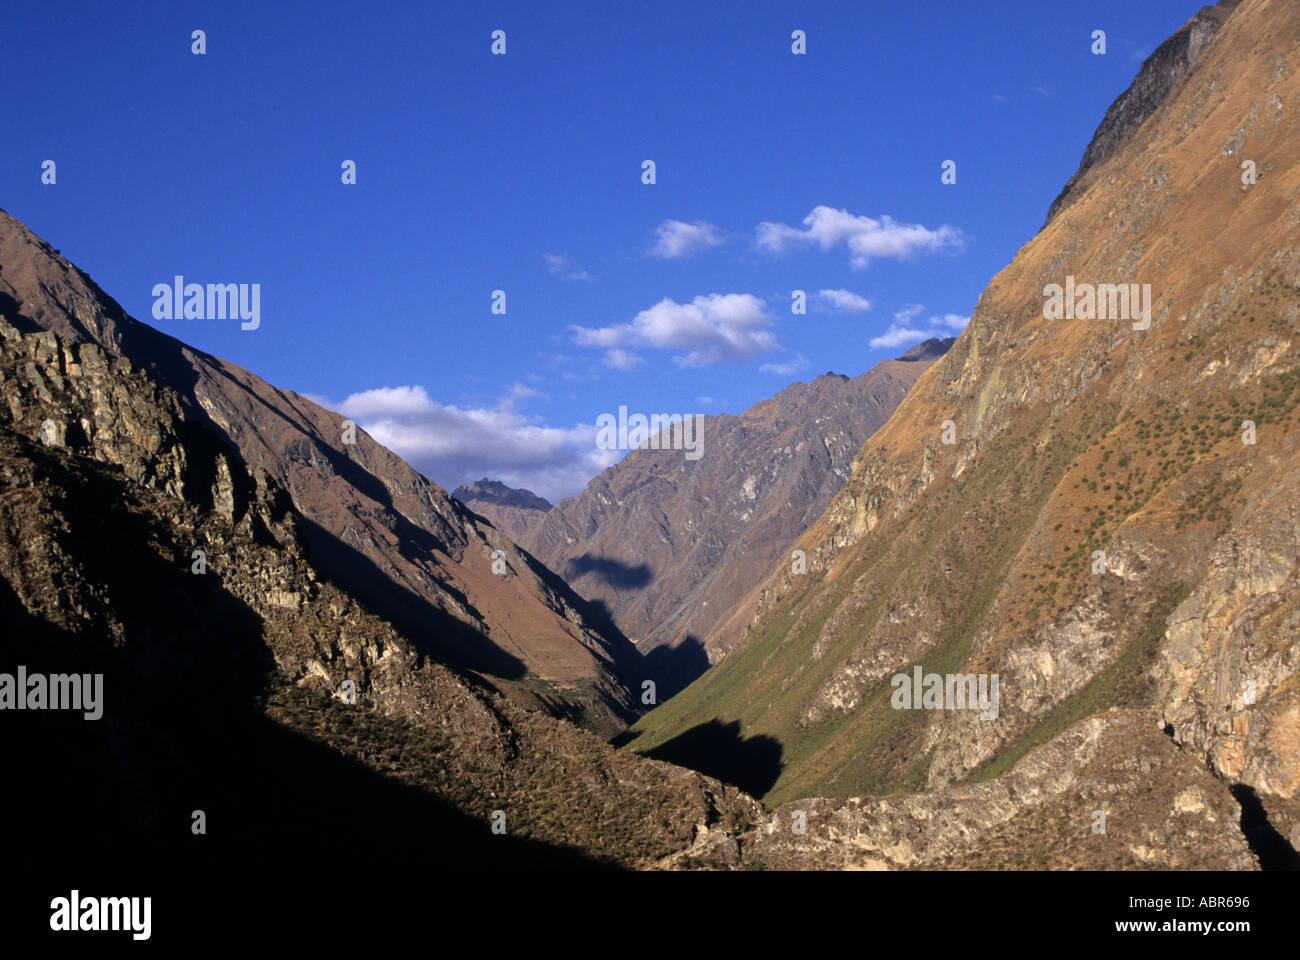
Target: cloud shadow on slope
(717, 749)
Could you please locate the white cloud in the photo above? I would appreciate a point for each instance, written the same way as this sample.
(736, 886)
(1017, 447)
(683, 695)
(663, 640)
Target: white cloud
(453, 445)
(622, 360)
(845, 301)
(787, 369)
(711, 329)
(903, 332)
(897, 336)
(563, 267)
(519, 391)
(386, 402)
(867, 239)
(674, 239)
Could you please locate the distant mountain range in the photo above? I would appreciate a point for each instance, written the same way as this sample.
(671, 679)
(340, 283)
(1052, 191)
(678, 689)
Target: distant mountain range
(673, 548)
(513, 512)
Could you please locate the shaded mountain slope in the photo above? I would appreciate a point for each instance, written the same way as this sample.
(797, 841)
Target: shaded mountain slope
(1074, 436)
(375, 526)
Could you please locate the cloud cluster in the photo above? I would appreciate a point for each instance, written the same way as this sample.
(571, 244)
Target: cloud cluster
(786, 369)
(866, 238)
(905, 331)
(559, 265)
(844, 301)
(453, 445)
(675, 239)
(710, 329)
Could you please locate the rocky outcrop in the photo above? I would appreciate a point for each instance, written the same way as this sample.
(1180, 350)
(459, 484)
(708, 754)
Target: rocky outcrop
(1111, 793)
(1159, 74)
(76, 398)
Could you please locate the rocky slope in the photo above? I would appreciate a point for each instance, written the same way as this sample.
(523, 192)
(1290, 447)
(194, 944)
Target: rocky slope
(1110, 793)
(1158, 75)
(242, 688)
(252, 689)
(674, 549)
(1114, 523)
(514, 512)
(382, 531)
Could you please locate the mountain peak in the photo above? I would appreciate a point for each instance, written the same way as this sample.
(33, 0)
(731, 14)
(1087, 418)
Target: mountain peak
(494, 491)
(1158, 75)
(928, 349)
(512, 511)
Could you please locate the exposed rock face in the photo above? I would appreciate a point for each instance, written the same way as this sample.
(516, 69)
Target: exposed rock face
(74, 397)
(1159, 73)
(514, 512)
(1110, 793)
(1115, 523)
(395, 540)
(674, 548)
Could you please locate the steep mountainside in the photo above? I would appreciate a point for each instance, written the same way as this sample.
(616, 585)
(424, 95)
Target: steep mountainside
(396, 541)
(512, 511)
(251, 713)
(1115, 523)
(674, 548)
(242, 685)
(1159, 73)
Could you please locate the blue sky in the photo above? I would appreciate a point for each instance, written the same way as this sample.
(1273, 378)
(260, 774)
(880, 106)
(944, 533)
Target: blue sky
(523, 173)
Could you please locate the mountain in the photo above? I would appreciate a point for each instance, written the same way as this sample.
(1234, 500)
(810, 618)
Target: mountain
(673, 548)
(515, 512)
(239, 684)
(1101, 516)
(1160, 71)
(251, 712)
(374, 526)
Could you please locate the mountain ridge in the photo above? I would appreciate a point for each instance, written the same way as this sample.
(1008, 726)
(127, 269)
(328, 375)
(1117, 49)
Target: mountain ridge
(393, 538)
(673, 549)
(1110, 524)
